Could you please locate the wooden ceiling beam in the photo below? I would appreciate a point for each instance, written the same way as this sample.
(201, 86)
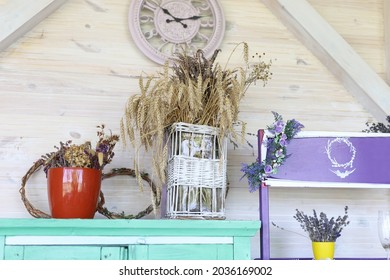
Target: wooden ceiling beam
(335, 53)
(17, 17)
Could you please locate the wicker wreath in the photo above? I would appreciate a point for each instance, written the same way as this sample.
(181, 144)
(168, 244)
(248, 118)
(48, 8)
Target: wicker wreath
(100, 208)
(130, 172)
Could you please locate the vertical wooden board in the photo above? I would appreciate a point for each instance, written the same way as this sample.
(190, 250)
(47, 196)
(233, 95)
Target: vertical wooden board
(14, 252)
(111, 253)
(62, 253)
(224, 252)
(138, 252)
(241, 248)
(2, 245)
(124, 253)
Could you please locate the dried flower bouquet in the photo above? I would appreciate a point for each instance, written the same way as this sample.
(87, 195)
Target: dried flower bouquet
(319, 227)
(72, 155)
(83, 155)
(378, 127)
(191, 89)
(282, 131)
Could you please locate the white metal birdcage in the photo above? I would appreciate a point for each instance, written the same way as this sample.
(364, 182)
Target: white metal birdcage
(196, 186)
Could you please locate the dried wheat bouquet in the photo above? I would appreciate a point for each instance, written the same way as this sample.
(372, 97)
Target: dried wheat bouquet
(191, 89)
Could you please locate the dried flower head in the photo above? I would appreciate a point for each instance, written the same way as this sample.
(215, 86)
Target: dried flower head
(83, 155)
(76, 156)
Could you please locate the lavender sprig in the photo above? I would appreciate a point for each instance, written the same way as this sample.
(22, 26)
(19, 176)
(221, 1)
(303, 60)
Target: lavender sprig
(283, 132)
(378, 127)
(322, 229)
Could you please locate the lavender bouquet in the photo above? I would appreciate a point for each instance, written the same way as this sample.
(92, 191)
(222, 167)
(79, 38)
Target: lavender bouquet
(320, 228)
(282, 132)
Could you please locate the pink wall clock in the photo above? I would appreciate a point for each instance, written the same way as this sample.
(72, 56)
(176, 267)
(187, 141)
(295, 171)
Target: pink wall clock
(161, 28)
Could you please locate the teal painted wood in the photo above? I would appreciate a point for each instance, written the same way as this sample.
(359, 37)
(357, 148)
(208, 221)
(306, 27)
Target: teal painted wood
(113, 253)
(242, 248)
(225, 252)
(62, 253)
(2, 245)
(124, 253)
(186, 251)
(14, 252)
(122, 227)
(139, 252)
(152, 239)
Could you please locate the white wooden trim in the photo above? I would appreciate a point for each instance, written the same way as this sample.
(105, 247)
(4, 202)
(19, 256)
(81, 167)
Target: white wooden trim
(17, 17)
(113, 240)
(308, 133)
(311, 184)
(335, 53)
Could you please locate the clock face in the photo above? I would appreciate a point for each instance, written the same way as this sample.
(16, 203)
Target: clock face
(161, 28)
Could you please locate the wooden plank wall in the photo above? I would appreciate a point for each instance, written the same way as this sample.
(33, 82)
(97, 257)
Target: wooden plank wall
(17, 18)
(76, 69)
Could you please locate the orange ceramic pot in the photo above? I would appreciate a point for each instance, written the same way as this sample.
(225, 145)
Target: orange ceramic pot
(73, 192)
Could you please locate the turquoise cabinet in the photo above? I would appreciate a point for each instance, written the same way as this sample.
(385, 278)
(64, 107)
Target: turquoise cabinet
(102, 239)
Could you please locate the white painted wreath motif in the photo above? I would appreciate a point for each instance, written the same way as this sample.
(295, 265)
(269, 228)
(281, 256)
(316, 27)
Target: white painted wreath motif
(348, 165)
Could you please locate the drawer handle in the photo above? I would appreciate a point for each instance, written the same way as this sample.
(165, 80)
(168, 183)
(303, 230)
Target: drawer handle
(141, 241)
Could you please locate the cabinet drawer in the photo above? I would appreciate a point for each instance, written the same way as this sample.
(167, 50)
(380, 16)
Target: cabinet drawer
(65, 252)
(181, 252)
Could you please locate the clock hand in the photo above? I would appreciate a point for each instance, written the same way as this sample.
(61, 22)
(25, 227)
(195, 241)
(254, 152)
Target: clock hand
(177, 20)
(181, 19)
(191, 18)
(167, 12)
(173, 17)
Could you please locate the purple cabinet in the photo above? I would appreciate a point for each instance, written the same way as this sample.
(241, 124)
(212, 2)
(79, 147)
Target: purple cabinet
(356, 159)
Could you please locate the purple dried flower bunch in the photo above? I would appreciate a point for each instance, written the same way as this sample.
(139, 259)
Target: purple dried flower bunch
(83, 155)
(282, 132)
(320, 228)
(378, 127)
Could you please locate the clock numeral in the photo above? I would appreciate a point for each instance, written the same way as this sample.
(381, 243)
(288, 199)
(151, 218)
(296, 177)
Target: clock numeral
(184, 47)
(163, 45)
(152, 4)
(202, 37)
(191, 49)
(146, 19)
(175, 48)
(207, 23)
(150, 34)
(170, 48)
(203, 6)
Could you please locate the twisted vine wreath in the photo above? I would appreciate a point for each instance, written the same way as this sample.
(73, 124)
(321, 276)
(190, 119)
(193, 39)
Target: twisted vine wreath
(100, 207)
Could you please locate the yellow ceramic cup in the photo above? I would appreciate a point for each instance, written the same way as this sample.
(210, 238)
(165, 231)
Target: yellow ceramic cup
(323, 250)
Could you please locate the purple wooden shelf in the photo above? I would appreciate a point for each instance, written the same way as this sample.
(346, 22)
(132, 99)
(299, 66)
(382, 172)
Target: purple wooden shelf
(337, 159)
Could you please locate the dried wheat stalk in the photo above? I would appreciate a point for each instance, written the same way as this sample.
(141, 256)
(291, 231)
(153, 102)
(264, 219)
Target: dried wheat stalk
(193, 90)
